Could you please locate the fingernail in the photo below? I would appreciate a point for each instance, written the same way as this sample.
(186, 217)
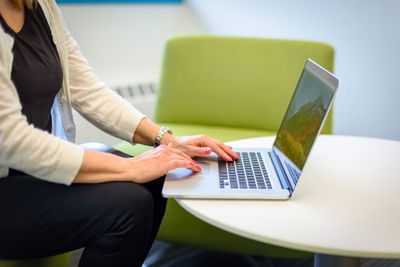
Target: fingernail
(230, 147)
(198, 167)
(230, 159)
(207, 150)
(237, 156)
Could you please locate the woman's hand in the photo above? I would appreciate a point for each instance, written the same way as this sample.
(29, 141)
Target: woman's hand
(201, 146)
(157, 162)
(100, 167)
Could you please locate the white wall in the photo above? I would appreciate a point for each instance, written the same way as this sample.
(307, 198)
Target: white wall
(365, 35)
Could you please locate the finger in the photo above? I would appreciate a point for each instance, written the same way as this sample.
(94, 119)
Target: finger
(183, 163)
(196, 151)
(178, 152)
(191, 162)
(227, 149)
(222, 150)
(171, 150)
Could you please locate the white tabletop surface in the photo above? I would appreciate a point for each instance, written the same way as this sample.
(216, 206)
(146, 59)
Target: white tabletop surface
(347, 201)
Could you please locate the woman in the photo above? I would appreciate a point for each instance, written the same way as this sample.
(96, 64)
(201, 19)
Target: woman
(112, 205)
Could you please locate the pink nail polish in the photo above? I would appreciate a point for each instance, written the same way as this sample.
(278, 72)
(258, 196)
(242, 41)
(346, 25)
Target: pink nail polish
(207, 150)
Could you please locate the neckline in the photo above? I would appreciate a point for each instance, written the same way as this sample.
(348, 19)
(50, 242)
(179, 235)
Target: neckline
(11, 30)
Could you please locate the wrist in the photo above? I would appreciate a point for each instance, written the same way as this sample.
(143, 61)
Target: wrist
(168, 138)
(131, 170)
(163, 137)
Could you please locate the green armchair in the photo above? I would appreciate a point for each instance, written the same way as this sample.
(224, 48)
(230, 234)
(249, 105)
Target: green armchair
(228, 88)
(54, 261)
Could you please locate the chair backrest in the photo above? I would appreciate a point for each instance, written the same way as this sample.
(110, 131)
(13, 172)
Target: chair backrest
(233, 81)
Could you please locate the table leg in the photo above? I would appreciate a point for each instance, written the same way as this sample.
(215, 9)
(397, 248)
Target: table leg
(325, 260)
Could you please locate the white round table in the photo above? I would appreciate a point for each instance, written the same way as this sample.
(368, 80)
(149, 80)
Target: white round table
(347, 202)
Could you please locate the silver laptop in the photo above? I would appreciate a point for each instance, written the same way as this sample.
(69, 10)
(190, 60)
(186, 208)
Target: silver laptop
(265, 173)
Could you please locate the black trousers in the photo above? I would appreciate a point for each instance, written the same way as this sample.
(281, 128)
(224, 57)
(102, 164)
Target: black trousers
(115, 222)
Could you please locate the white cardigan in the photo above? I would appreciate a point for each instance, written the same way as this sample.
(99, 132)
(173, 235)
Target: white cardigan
(48, 156)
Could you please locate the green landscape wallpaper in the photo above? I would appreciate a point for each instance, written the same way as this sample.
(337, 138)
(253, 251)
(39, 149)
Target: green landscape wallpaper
(304, 118)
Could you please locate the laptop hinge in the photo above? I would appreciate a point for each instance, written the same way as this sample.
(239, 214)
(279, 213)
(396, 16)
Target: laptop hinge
(284, 180)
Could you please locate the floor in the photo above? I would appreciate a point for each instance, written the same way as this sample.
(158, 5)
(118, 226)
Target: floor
(168, 255)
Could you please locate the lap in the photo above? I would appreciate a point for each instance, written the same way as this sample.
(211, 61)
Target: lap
(26, 196)
(36, 212)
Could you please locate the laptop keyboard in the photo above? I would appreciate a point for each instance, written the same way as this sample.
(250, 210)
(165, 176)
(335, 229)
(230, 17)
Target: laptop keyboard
(246, 172)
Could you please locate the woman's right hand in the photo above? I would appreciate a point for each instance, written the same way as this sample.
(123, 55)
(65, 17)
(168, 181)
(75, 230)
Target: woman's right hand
(100, 167)
(157, 162)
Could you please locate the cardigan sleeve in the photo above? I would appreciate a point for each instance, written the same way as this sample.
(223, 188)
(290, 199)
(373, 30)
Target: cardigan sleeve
(31, 150)
(95, 101)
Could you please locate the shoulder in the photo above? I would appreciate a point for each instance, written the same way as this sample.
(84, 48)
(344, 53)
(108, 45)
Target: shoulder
(47, 2)
(51, 11)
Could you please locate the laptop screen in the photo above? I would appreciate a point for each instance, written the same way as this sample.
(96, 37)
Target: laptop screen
(304, 118)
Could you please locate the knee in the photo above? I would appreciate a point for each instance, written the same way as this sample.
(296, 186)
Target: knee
(130, 197)
(130, 213)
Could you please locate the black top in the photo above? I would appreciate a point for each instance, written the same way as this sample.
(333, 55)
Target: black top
(36, 69)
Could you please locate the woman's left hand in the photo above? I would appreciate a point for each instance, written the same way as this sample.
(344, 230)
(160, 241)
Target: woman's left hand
(202, 146)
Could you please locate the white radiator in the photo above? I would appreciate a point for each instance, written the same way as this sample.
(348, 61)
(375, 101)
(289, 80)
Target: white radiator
(140, 95)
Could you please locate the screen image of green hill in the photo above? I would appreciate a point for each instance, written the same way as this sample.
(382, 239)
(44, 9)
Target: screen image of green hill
(296, 137)
(304, 118)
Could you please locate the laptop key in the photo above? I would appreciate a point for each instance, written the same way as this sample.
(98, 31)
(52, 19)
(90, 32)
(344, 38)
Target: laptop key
(246, 173)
